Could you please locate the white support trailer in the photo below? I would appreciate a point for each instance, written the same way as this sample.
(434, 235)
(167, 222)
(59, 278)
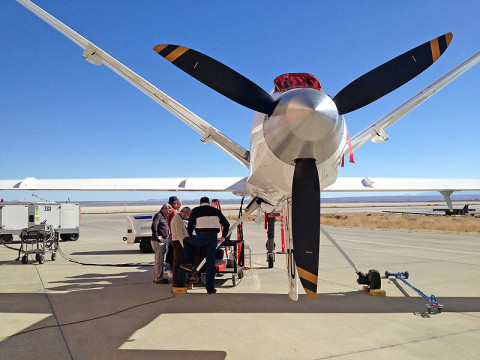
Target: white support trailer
(139, 230)
(64, 217)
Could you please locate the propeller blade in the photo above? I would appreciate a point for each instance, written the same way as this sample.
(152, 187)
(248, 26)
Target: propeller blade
(219, 77)
(306, 223)
(390, 76)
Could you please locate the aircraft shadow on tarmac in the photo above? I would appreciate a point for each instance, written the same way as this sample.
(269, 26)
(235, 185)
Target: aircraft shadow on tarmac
(94, 302)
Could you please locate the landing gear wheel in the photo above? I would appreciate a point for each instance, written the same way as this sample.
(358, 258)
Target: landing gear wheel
(270, 260)
(24, 259)
(374, 279)
(41, 259)
(54, 256)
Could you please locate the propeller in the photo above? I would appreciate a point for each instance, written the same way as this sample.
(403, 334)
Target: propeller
(391, 75)
(219, 77)
(306, 223)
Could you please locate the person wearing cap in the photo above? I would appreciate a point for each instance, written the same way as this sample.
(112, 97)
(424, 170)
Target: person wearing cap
(206, 221)
(159, 240)
(175, 204)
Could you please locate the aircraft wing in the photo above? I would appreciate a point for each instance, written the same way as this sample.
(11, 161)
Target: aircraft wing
(236, 185)
(97, 56)
(371, 184)
(376, 131)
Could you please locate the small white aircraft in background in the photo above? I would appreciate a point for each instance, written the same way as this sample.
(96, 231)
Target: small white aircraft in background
(298, 139)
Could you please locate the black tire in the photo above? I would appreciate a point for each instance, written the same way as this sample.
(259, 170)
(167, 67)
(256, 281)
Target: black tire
(54, 256)
(37, 257)
(146, 246)
(41, 259)
(24, 259)
(235, 279)
(6, 238)
(73, 237)
(69, 237)
(270, 259)
(374, 279)
(240, 274)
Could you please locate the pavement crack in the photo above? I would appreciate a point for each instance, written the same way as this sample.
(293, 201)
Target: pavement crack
(53, 312)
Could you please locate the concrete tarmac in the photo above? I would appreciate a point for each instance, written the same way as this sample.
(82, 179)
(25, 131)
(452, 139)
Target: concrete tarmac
(65, 310)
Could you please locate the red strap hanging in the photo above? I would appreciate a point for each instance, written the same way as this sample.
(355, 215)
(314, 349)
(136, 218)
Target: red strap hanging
(349, 145)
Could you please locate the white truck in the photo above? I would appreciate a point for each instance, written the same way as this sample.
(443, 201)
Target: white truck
(64, 217)
(139, 231)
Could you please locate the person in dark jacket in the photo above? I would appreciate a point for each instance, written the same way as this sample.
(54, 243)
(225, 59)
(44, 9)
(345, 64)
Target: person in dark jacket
(206, 221)
(159, 241)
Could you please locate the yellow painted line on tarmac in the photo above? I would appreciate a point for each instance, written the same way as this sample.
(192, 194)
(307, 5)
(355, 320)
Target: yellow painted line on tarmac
(415, 247)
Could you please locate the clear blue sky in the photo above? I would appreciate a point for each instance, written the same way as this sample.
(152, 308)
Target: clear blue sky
(63, 117)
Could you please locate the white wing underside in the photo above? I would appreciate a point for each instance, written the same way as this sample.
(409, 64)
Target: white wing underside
(237, 185)
(371, 184)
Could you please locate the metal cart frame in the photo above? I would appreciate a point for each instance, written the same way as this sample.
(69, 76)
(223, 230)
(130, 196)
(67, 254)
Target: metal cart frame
(41, 239)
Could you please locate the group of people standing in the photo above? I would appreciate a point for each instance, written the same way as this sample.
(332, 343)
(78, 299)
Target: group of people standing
(177, 232)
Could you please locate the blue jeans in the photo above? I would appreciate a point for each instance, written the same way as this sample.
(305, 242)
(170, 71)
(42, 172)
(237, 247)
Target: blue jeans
(208, 241)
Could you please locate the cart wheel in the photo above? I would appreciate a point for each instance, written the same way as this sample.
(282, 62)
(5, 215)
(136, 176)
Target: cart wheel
(235, 279)
(37, 257)
(54, 256)
(270, 260)
(24, 259)
(429, 309)
(406, 274)
(41, 259)
(440, 310)
(240, 274)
